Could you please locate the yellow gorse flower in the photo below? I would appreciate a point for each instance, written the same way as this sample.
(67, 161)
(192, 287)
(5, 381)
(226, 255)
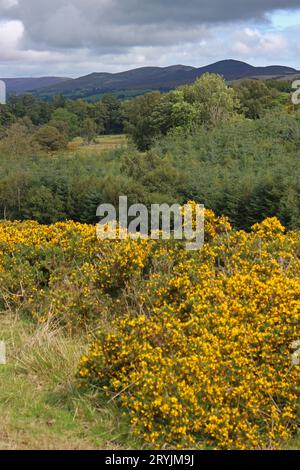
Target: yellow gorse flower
(195, 346)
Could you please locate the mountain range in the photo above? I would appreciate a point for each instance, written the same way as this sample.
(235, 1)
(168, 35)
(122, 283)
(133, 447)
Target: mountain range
(24, 85)
(141, 80)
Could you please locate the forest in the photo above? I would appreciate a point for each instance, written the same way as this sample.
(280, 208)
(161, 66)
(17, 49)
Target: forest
(233, 149)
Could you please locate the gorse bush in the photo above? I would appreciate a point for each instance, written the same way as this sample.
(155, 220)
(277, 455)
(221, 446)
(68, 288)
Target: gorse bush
(63, 272)
(194, 346)
(204, 358)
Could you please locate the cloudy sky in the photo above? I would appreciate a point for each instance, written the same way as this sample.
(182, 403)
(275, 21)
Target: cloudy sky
(77, 37)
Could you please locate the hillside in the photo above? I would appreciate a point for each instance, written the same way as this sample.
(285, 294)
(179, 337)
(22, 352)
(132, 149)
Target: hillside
(137, 81)
(22, 85)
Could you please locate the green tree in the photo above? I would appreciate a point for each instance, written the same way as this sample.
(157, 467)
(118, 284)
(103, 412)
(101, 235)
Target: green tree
(89, 129)
(18, 142)
(42, 205)
(138, 119)
(213, 100)
(36, 110)
(70, 119)
(255, 97)
(172, 111)
(6, 116)
(50, 139)
(59, 101)
(99, 112)
(113, 122)
(80, 108)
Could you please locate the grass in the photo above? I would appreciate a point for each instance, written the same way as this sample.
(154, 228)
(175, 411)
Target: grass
(100, 145)
(41, 405)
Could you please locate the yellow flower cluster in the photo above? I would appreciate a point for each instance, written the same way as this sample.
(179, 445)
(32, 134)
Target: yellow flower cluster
(64, 271)
(195, 346)
(205, 358)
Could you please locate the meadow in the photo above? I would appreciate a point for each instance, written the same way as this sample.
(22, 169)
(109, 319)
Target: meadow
(101, 144)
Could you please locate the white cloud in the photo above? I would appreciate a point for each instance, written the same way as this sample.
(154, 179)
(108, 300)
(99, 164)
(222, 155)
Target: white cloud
(11, 33)
(253, 42)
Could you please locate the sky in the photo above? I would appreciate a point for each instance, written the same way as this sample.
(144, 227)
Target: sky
(76, 37)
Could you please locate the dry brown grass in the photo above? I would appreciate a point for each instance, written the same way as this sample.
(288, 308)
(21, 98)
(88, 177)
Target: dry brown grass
(101, 144)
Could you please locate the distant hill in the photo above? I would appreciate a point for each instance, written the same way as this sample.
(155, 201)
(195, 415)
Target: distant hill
(134, 82)
(138, 81)
(23, 85)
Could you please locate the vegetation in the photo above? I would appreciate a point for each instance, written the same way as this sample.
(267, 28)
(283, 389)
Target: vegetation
(69, 118)
(196, 358)
(140, 337)
(255, 97)
(199, 359)
(246, 169)
(41, 406)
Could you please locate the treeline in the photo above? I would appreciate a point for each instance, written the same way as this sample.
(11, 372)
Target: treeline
(55, 124)
(208, 102)
(248, 170)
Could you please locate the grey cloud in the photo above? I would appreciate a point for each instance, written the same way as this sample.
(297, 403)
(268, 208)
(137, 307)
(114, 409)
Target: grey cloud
(127, 23)
(8, 9)
(73, 37)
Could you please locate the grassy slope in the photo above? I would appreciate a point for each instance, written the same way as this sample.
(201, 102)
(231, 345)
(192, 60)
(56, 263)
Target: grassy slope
(41, 406)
